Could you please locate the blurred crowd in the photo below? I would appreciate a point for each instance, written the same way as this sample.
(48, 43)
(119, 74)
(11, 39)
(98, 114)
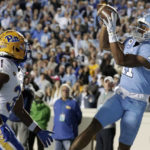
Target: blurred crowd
(63, 38)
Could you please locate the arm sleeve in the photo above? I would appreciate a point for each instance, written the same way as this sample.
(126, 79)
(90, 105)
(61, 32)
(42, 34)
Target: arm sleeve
(5, 66)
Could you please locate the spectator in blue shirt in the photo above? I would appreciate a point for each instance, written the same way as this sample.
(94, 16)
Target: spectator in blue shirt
(67, 117)
(69, 76)
(37, 33)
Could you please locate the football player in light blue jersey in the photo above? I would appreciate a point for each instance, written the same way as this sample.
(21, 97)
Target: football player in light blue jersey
(130, 100)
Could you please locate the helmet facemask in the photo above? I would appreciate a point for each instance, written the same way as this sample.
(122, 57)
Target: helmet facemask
(142, 31)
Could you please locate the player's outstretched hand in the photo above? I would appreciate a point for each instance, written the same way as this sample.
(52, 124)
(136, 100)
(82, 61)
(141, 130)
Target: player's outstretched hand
(45, 137)
(110, 23)
(6, 133)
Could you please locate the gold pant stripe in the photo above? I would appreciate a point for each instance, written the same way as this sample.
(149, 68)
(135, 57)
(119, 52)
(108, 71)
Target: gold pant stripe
(6, 145)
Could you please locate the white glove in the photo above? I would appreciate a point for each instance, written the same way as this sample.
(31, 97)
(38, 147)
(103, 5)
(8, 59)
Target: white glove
(110, 23)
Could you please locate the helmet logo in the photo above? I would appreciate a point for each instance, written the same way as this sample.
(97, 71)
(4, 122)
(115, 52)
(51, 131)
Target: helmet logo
(11, 38)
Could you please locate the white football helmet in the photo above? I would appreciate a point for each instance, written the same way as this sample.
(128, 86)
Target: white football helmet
(143, 30)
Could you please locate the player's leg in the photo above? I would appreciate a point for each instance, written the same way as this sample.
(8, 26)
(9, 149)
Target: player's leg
(109, 113)
(130, 123)
(85, 137)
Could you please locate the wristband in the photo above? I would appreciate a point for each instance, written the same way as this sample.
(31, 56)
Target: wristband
(112, 38)
(32, 126)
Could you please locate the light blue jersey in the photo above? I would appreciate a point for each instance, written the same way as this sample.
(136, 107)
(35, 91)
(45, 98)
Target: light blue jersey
(129, 100)
(137, 79)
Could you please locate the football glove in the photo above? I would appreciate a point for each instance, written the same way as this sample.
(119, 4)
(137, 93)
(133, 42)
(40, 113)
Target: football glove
(45, 137)
(6, 132)
(8, 135)
(110, 23)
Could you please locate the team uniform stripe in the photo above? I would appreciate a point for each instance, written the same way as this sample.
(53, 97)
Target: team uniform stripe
(5, 145)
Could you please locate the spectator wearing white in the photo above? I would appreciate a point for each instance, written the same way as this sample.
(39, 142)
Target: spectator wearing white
(43, 83)
(129, 8)
(61, 71)
(63, 21)
(108, 91)
(105, 137)
(116, 79)
(5, 22)
(82, 58)
(56, 92)
(48, 95)
(85, 42)
(76, 41)
(52, 64)
(86, 99)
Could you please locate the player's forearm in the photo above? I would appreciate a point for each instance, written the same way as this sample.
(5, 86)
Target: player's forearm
(103, 39)
(122, 59)
(24, 116)
(127, 60)
(28, 121)
(117, 53)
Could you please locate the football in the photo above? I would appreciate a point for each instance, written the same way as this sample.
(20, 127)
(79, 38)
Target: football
(105, 8)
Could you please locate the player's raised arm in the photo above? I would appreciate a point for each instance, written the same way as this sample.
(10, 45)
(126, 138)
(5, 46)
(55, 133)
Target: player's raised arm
(103, 39)
(102, 10)
(128, 60)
